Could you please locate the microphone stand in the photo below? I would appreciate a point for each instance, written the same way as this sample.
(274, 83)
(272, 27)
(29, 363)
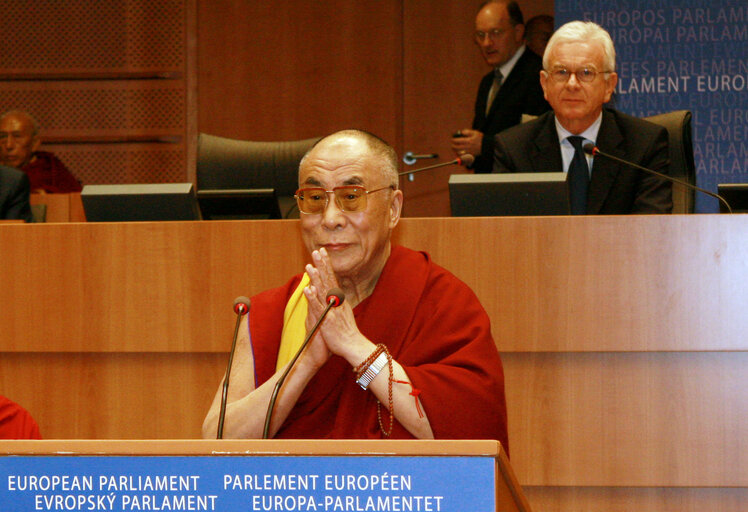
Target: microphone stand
(241, 308)
(465, 159)
(335, 298)
(594, 151)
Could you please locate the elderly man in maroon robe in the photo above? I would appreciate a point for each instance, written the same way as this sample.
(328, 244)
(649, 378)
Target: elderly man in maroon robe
(409, 353)
(19, 148)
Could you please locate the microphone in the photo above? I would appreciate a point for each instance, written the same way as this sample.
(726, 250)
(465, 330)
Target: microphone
(335, 298)
(241, 308)
(465, 160)
(593, 150)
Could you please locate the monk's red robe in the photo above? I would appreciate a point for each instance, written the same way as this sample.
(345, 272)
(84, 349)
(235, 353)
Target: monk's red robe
(432, 324)
(16, 422)
(46, 172)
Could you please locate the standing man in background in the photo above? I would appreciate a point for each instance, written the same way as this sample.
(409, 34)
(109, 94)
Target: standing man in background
(511, 89)
(19, 148)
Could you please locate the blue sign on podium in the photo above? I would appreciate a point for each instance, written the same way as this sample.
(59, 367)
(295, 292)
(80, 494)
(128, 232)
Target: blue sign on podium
(355, 483)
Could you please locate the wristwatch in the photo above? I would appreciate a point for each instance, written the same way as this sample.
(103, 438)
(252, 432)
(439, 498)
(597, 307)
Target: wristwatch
(372, 371)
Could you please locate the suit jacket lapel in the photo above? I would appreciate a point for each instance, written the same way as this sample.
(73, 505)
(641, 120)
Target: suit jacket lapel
(605, 170)
(545, 152)
(508, 85)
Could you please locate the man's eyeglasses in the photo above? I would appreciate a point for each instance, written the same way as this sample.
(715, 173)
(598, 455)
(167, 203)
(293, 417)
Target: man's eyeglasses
(350, 198)
(586, 74)
(493, 35)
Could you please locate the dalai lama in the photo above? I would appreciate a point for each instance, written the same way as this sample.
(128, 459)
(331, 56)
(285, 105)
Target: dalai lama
(409, 353)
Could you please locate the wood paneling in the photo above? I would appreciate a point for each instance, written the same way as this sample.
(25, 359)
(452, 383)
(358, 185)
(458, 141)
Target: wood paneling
(283, 447)
(629, 419)
(291, 70)
(616, 283)
(406, 70)
(61, 207)
(102, 80)
(622, 339)
(627, 499)
(75, 395)
(648, 283)
(442, 70)
(113, 287)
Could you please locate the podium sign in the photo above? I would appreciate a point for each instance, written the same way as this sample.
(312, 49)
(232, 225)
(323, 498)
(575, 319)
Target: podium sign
(251, 481)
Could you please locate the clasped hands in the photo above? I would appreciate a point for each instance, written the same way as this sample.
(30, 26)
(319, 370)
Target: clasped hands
(338, 333)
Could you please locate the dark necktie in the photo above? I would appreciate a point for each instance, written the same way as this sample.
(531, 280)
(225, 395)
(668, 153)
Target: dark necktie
(497, 79)
(579, 177)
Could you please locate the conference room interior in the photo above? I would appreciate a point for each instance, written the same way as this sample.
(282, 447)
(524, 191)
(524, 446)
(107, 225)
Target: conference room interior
(623, 337)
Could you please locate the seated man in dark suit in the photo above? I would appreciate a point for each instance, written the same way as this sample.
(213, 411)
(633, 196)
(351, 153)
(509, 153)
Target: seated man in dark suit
(14, 195)
(509, 90)
(578, 77)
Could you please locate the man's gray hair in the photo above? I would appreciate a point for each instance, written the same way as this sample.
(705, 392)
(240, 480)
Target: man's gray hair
(383, 153)
(583, 32)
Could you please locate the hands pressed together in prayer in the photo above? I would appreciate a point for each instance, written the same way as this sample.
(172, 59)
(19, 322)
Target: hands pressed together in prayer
(338, 334)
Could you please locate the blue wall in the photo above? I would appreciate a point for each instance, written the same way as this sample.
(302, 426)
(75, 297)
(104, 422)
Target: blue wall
(682, 55)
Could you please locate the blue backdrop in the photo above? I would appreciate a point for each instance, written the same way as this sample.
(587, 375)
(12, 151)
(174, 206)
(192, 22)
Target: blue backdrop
(682, 55)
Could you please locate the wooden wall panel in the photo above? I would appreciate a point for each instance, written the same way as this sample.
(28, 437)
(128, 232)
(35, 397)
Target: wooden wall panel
(97, 74)
(293, 70)
(134, 162)
(90, 36)
(95, 287)
(628, 499)
(561, 284)
(628, 419)
(615, 283)
(76, 395)
(406, 70)
(104, 326)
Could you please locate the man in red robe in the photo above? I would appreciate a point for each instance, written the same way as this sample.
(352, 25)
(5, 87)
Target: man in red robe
(409, 353)
(19, 148)
(16, 422)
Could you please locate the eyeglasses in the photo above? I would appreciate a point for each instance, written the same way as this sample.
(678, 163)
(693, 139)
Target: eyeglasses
(493, 35)
(351, 198)
(586, 74)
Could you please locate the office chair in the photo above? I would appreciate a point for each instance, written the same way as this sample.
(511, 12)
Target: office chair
(224, 163)
(678, 124)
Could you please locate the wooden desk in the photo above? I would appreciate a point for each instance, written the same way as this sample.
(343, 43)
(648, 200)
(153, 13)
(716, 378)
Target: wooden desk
(623, 338)
(61, 207)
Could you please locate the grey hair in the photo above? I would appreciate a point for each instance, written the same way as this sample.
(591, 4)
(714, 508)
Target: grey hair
(583, 31)
(383, 153)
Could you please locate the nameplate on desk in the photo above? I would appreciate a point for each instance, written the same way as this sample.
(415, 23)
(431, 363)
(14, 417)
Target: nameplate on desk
(248, 483)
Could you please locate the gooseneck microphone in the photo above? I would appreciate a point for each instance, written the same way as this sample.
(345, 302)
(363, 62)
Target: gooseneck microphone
(593, 150)
(464, 160)
(241, 308)
(335, 298)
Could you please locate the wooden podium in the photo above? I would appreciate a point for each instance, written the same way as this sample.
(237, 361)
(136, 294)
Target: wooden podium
(350, 475)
